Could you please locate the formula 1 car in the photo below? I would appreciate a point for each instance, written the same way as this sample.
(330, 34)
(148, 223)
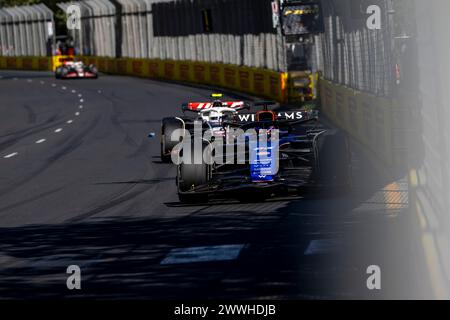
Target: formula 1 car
(210, 114)
(305, 157)
(71, 68)
(217, 116)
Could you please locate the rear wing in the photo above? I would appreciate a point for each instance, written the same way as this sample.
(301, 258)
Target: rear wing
(265, 104)
(289, 116)
(200, 106)
(64, 60)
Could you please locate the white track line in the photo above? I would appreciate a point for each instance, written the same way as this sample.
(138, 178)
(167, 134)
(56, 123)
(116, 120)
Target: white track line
(58, 130)
(80, 95)
(11, 155)
(74, 91)
(41, 141)
(81, 107)
(64, 88)
(77, 114)
(81, 100)
(70, 121)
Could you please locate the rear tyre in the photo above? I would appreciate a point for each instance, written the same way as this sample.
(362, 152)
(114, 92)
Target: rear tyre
(333, 161)
(191, 175)
(169, 125)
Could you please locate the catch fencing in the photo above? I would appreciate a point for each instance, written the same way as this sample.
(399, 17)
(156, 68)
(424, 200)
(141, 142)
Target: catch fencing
(97, 35)
(26, 30)
(351, 54)
(238, 32)
(360, 89)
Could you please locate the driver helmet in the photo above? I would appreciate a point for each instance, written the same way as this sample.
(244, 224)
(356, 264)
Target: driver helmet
(217, 104)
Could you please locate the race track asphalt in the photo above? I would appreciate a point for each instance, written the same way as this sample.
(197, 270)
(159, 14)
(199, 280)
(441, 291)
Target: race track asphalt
(82, 184)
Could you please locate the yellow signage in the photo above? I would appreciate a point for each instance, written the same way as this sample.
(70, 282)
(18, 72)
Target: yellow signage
(299, 12)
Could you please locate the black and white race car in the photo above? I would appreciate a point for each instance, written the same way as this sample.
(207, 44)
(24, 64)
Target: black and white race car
(73, 69)
(210, 114)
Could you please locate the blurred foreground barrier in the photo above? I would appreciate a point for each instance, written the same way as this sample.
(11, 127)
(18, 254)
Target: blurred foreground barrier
(259, 82)
(375, 122)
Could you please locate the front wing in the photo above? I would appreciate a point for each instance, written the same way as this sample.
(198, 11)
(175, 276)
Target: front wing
(78, 75)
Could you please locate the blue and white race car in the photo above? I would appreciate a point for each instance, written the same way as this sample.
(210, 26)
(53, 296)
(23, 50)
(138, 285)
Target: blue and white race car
(292, 157)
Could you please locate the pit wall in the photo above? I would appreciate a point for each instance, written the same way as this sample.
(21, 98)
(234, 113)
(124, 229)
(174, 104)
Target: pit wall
(375, 122)
(259, 82)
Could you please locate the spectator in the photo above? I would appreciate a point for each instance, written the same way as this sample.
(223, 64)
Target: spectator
(58, 51)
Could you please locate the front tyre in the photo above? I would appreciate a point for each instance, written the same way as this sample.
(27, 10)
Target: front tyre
(93, 69)
(168, 126)
(192, 175)
(58, 73)
(64, 72)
